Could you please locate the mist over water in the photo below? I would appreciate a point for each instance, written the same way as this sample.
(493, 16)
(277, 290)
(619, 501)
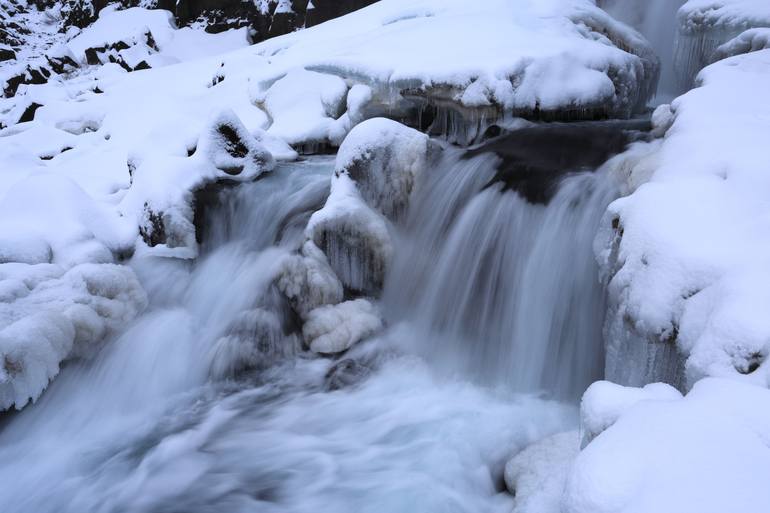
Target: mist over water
(493, 305)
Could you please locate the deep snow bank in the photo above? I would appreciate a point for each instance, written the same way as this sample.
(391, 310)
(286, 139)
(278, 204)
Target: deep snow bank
(686, 254)
(706, 452)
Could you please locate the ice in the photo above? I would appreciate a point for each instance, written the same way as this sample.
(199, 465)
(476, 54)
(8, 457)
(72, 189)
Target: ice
(706, 452)
(49, 313)
(684, 254)
(308, 282)
(705, 25)
(333, 329)
(354, 237)
(752, 40)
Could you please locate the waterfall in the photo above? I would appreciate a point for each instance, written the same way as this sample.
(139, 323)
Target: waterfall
(492, 298)
(656, 20)
(499, 288)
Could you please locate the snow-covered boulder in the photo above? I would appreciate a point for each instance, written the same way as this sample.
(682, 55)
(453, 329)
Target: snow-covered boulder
(384, 159)
(163, 187)
(354, 237)
(333, 329)
(705, 25)
(707, 453)
(751, 40)
(537, 475)
(685, 254)
(49, 313)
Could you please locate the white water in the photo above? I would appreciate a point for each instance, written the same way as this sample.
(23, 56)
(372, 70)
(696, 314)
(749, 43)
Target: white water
(500, 289)
(485, 285)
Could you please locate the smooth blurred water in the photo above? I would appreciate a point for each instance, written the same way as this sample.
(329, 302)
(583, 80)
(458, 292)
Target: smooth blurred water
(500, 292)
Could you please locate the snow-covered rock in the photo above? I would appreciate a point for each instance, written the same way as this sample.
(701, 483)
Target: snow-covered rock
(685, 255)
(163, 187)
(49, 313)
(333, 329)
(751, 40)
(707, 452)
(705, 25)
(537, 475)
(384, 159)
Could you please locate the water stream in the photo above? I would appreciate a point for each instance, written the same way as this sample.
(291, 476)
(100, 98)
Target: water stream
(494, 326)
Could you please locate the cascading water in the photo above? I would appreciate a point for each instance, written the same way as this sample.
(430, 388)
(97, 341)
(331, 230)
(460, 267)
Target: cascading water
(497, 286)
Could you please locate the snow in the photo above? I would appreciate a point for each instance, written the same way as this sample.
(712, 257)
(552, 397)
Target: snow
(686, 255)
(751, 40)
(537, 475)
(707, 452)
(604, 403)
(384, 158)
(333, 329)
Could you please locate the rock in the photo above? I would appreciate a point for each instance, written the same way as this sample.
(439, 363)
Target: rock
(6, 54)
(344, 374)
(254, 340)
(308, 281)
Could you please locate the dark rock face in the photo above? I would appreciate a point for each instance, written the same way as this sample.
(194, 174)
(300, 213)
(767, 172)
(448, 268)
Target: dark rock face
(220, 15)
(534, 158)
(6, 54)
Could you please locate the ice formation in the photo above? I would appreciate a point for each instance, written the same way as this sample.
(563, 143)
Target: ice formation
(333, 329)
(705, 25)
(49, 313)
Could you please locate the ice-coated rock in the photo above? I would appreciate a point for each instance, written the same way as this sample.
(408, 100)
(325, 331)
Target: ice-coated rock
(49, 314)
(752, 40)
(308, 282)
(255, 340)
(536, 476)
(354, 237)
(384, 159)
(333, 329)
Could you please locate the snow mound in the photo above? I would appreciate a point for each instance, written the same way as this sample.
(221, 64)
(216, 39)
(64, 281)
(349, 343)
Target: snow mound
(384, 159)
(537, 475)
(49, 314)
(603, 403)
(685, 254)
(705, 25)
(333, 329)
(707, 452)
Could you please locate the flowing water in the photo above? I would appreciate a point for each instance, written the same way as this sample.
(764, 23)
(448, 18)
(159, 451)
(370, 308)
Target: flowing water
(494, 316)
